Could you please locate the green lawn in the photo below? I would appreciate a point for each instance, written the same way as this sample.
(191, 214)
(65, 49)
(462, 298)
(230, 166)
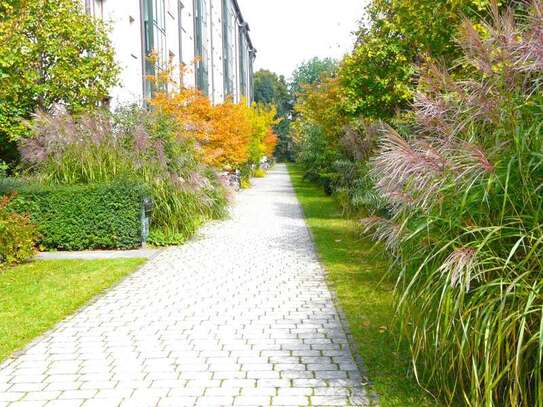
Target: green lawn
(37, 295)
(358, 278)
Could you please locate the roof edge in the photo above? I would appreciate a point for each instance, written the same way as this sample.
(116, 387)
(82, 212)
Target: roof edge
(244, 23)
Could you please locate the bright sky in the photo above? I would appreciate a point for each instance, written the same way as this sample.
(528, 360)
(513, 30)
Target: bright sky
(288, 32)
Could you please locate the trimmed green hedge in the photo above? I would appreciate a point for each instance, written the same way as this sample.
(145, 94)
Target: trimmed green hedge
(82, 217)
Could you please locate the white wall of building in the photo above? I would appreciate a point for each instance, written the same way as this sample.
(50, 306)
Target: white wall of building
(125, 18)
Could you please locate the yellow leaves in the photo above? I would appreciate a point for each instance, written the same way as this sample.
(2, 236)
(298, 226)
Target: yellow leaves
(320, 105)
(230, 135)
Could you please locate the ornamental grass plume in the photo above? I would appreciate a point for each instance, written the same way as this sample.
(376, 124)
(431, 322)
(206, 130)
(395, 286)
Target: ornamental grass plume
(459, 267)
(529, 52)
(383, 230)
(415, 167)
(466, 188)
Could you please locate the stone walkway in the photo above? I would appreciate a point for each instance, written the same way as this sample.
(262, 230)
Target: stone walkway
(240, 316)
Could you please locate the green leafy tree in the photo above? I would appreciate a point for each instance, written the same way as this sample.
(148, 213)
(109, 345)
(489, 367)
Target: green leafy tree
(52, 54)
(310, 73)
(272, 89)
(379, 77)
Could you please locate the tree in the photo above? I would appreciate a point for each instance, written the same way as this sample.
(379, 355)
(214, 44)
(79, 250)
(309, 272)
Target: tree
(379, 77)
(311, 72)
(272, 90)
(52, 54)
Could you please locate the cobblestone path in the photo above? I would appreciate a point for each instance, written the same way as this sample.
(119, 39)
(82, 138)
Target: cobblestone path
(239, 316)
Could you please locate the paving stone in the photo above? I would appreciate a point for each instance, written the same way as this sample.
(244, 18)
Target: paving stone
(214, 401)
(329, 401)
(253, 401)
(240, 315)
(290, 401)
(176, 401)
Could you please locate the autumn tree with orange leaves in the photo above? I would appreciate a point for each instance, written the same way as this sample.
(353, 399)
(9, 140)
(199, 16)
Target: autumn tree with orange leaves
(229, 134)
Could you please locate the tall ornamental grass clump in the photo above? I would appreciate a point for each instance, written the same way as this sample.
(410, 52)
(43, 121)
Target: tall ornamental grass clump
(464, 194)
(130, 144)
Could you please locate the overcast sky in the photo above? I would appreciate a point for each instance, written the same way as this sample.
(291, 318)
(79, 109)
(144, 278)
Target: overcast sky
(287, 32)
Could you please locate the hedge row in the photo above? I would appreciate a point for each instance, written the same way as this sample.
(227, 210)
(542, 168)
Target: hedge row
(81, 217)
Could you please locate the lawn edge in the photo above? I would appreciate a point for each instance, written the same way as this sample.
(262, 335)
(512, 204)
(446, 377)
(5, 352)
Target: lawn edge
(16, 354)
(353, 346)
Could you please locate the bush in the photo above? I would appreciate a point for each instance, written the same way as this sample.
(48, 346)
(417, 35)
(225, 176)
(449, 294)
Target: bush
(260, 173)
(80, 217)
(146, 147)
(17, 235)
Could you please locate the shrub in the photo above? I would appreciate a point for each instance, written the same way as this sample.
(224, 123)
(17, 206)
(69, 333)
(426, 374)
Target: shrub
(17, 235)
(260, 173)
(223, 131)
(229, 134)
(245, 184)
(263, 139)
(80, 217)
(132, 144)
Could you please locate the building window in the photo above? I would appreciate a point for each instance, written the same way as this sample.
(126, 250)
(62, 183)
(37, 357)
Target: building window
(228, 48)
(180, 29)
(156, 56)
(200, 46)
(242, 62)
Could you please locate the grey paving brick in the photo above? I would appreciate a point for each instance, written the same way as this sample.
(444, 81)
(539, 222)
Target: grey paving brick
(253, 401)
(28, 403)
(290, 401)
(329, 401)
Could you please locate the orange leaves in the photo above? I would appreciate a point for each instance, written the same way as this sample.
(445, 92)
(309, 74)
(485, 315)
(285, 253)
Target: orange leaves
(223, 131)
(232, 133)
(270, 142)
(229, 134)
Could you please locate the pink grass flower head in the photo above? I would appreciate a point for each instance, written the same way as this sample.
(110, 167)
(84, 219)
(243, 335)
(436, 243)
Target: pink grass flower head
(460, 266)
(141, 139)
(475, 49)
(529, 52)
(416, 168)
(383, 230)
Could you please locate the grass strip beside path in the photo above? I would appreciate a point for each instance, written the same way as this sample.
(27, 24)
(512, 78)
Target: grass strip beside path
(37, 295)
(365, 296)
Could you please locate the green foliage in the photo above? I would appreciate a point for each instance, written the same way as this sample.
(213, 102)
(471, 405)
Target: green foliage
(310, 73)
(17, 235)
(376, 80)
(52, 54)
(316, 155)
(379, 77)
(80, 217)
(272, 90)
(3, 169)
(465, 213)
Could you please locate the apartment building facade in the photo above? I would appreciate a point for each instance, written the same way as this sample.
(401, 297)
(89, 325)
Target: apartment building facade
(209, 37)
